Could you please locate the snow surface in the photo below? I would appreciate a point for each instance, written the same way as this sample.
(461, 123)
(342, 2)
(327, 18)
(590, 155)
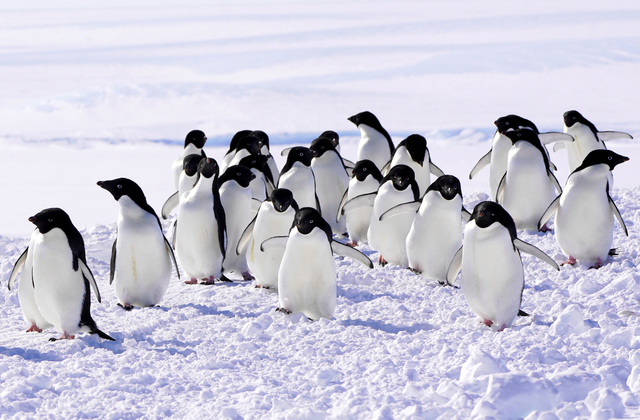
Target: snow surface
(108, 89)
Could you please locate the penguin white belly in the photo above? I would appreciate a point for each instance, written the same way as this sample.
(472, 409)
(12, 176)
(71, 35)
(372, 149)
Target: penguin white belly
(143, 266)
(373, 146)
(307, 275)
(265, 264)
(331, 183)
(389, 236)
(435, 236)
(498, 165)
(584, 143)
(59, 289)
(301, 182)
(492, 274)
(358, 220)
(236, 201)
(26, 292)
(422, 172)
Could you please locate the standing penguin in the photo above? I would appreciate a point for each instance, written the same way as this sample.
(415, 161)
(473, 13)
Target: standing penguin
(200, 227)
(307, 275)
(274, 218)
(375, 143)
(62, 281)
(528, 186)
(193, 144)
(436, 232)
(585, 210)
(247, 146)
(492, 275)
(26, 292)
(141, 256)
(266, 151)
(297, 176)
(365, 179)
(262, 185)
(332, 181)
(413, 152)
(233, 146)
(185, 183)
(235, 196)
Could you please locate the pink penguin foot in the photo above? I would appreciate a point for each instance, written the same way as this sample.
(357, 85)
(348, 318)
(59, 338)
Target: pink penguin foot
(545, 228)
(34, 328)
(487, 322)
(191, 281)
(259, 286)
(352, 244)
(570, 261)
(502, 327)
(64, 336)
(382, 261)
(414, 270)
(208, 281)
(599, 263)
(247, 276)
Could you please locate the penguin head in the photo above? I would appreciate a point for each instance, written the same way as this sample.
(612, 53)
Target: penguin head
(416, 145)
(486, 213)
(51, 218)
(522, 134)
(366, 118)
(251, 143)
(402, 176)
(208, 168)
(264, 138)
(195, 137)
(447, 185)
(254, 161)
(320, 146)
(124, 187)
(364, 168)
(333, 136)
(608, 157)
(298, 154)
(513, 122)
(242, 175)
(308, 218)
(190, 164)
(573, 117)
(233, 144)
(282, 199)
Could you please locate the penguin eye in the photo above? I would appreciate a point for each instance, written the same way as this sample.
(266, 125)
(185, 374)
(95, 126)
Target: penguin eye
(507, 123)
(238, 174)
(119, 186)
(609, 157)
(50, 220)
(301, 154)
(311, 221)
(364, 169)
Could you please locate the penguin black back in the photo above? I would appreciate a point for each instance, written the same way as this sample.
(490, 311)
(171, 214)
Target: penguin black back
(416, 145)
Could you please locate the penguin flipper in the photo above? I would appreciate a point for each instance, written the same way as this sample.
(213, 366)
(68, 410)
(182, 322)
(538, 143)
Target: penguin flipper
(553, 207)
(385, 169)
(347, 163)
(101, 334)
(466, 216)
(558, 146)
(246, 235)
(89, 276)
(175, 234)
(612, 135)
(409, 207)
(16, 267)
(454, 267)
(343, 201)
(364, 200)
(255, 204)
(554, 136)
(484, 161)
(536, 252)
(553, 166)
(522, 313)
(354, 254)
(616, 213)
(500, 190)
(435, 170)
(274, 242)
(285, 152)
(170, 204)
(112, 264)
(171, 255)
(555, 182)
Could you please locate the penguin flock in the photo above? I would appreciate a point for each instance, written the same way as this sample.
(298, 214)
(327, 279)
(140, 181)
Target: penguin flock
(243, 217)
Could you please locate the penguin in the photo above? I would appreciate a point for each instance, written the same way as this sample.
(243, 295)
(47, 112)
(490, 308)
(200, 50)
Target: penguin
(332, 181)
(266, 151)
(307, 274)
(528, 186)
(388, 237)
(375, 143)
(26, 292)
(235, 196)
(275, 217)
(492, 274)
(193, 144)
(335, 140)
(436, 232)
(497, 157)
(297, 176)
(141, 256)
(233, 146)
(200, 230)
(262, 185)
(585, 211)
(62, 281)
(365, 179)
(247, 145)
(414, 153)
(185, 183)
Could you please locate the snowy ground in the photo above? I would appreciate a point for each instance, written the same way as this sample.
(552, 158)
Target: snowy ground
(98, 91)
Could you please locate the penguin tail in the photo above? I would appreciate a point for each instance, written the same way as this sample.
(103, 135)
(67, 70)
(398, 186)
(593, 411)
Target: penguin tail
(522, 313)
(613, 252)
(102, 334)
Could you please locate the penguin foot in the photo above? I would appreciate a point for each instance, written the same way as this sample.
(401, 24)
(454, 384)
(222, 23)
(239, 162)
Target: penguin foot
(283, 310)
(208, 281)
(352, 244)
(64, 336)
(258, 286)
(502, 327)
(545, 228)
(225, 279)
(247, 276)
(570, 261)
(34, 328)
(191, 281)
(599, 263)
(415, 271)
(487, 322)
(126, 306)
(382, 261)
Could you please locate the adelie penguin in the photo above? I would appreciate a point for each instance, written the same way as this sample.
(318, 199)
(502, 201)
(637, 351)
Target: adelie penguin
(414, 153)
(585, 211)
(61, 279)
(141, 256)
(375, 142)
(307, 274)
(186, 181)
(335, 140)
(233, 148)
(193, 144)
(247, 146)
(262, 185)
(265, 150)
(298, 177)
(492, 274)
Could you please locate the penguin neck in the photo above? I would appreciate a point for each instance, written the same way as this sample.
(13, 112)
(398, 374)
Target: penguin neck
(368, 133)
(595, 176)
(264, 150)
(204, 186)
(191, 149)
(129, 209)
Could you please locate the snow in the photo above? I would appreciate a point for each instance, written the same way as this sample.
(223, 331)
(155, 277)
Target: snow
(108, 89)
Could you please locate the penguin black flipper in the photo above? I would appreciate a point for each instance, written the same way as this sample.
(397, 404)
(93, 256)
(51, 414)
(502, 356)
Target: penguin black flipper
(454, 267)
(171, 203)
(554, 180)
(171, 254)
(88, 275)
(16, 267)
(175, 234)
(553, 207)
(617, 214)
(409, 207)
(112, 264)
(274, 242)
(246, 235)
(535, 251)
(522, 313)
(85, 316)
(484, 161)
(500, 189)
(354, 254)
(343, 201)
(218, 211)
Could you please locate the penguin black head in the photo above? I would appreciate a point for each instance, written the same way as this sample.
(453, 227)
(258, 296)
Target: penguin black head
(190, 164)
(596, 157)
(251, 143)
(402, 176)
(514, 122)
(195, 137)
(320, 146)
(333, 136)
(124, 186)
(240, 174)
(233, 144)
(282, 199)
(365, 168)
(264, 138)
(298, 154)
(572, 117)
(254, 161)
(447, 185)
(365, 117)
(416, 145)
(487, 213)
(208, 168)
(52, 218)
(308, 218)
(522, 134)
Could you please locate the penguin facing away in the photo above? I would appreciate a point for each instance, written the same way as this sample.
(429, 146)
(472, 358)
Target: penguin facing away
(585, 211)
(492, 274)
(271, 162)
(335, 140)
(141, 256)
(247, 145)
(414, 153)
(193, 144)
(307, 274)
(298, 177)
(233, 146)
(262, 185)
(62, 281)
(375, 143)
(187, 179)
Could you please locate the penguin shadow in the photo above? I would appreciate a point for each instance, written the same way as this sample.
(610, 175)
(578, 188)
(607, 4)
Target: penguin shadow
(385, 327)
(31, 354)
(357, 295)
(208, 310)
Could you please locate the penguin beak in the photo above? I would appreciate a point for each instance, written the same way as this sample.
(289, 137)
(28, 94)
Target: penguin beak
(32, 219)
